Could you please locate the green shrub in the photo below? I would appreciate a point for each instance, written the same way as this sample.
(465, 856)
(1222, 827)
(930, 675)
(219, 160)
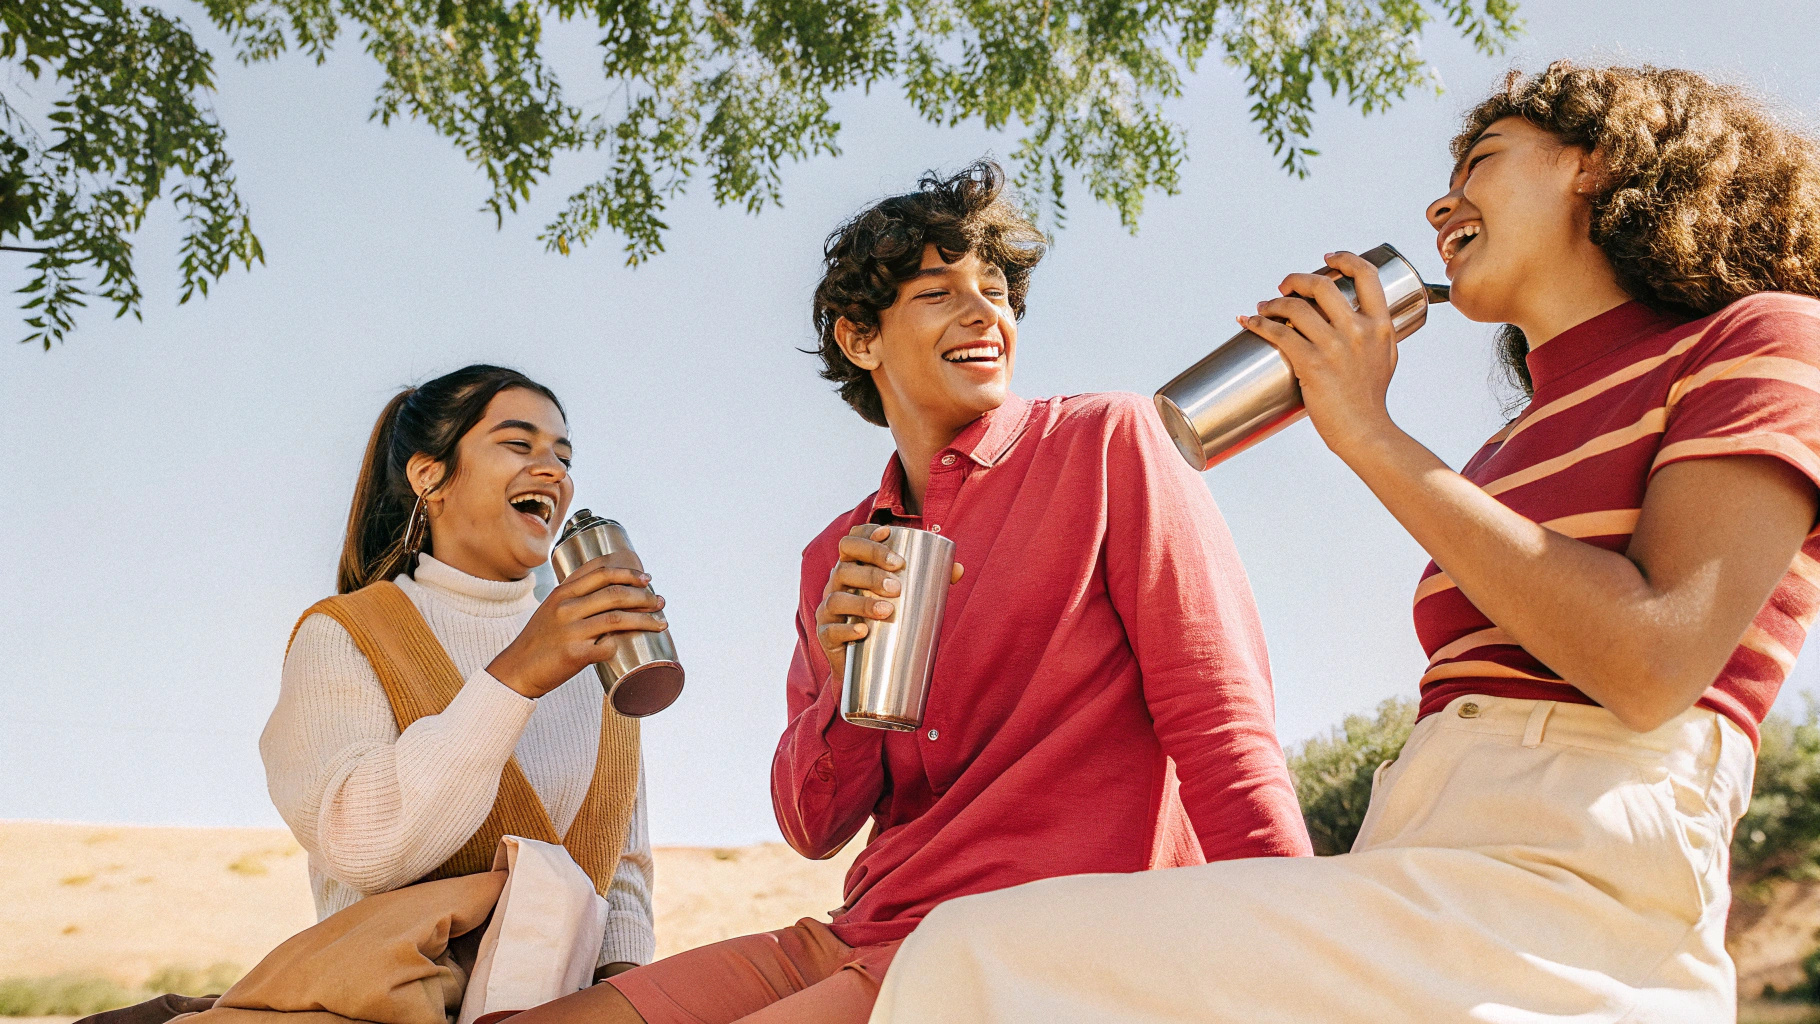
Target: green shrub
(1332, 773)
(1780, 834)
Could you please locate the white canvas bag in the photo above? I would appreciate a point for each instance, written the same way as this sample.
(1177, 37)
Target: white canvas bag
(544, 939)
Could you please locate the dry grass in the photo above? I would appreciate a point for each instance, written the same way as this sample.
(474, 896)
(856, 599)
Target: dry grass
(77, 995)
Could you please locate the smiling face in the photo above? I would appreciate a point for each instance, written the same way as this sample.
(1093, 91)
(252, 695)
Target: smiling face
(498, 515)
(943, 351)
(1515, 222)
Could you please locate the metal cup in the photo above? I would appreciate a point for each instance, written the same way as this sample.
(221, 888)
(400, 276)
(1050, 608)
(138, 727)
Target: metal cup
(643, 677)
(887, 683)
(1245, 391)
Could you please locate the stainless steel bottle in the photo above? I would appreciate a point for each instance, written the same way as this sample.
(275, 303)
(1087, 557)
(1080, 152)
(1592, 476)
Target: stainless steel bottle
(643, 677)
(1244, 391)
(887, 683)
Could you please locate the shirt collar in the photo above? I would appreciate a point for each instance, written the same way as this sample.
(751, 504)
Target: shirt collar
(1592, 339)
(986, 440)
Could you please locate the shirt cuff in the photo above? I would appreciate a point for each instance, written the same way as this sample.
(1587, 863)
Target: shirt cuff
(629, 940)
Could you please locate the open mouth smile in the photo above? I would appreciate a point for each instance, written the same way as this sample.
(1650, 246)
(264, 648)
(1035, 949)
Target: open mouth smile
(1458, 239)
(985, 352)
(536, 505)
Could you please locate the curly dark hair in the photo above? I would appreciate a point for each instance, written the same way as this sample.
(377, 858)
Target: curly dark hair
(1706, 196)
(866, 258)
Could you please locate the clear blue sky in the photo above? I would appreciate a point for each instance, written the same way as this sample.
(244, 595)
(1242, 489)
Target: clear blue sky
(175, 490)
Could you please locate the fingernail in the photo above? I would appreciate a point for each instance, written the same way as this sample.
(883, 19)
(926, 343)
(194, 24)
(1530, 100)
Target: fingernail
(895, 562)
(1329, 256)
(889, 586)
(882, 607)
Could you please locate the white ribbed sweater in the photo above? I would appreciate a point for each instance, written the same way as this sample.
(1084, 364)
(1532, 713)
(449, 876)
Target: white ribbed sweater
(376, 810)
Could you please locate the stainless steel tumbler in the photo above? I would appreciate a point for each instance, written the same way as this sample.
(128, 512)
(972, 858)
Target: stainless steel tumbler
(887, 684)
(1244, 391)
(643, 677)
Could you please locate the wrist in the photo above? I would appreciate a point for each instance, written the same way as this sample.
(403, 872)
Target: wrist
(605, 971)
(1365, 435)
(510, 677)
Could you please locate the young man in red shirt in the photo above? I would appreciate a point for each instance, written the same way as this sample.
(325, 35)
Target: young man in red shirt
(1101, 699)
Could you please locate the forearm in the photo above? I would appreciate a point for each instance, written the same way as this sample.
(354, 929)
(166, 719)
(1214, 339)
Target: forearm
(631, 935)
(393, 812)
(826, 777)
(1234, 782)
(1590, 614)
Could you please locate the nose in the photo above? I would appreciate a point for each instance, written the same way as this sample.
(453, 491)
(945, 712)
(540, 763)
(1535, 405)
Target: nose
(1443, 208)
(979, 310)
(549, 466)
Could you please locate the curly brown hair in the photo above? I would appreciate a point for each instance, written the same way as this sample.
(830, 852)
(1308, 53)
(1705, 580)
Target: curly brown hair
(1706, 196)
(866, 259)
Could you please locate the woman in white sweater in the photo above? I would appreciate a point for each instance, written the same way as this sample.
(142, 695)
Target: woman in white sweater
(465, 482)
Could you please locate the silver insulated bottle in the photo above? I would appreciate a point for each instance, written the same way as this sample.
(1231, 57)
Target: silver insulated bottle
(1244, 391)
(643, 677)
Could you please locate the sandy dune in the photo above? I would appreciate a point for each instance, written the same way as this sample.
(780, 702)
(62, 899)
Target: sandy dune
(125, 902)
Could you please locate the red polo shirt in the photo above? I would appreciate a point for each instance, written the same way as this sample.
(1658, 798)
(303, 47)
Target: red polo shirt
(1101, 645)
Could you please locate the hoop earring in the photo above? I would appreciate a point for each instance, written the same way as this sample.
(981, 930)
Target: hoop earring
(418, 529)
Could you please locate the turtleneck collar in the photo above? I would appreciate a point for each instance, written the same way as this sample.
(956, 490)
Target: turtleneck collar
(1593, 339)
(471, 594)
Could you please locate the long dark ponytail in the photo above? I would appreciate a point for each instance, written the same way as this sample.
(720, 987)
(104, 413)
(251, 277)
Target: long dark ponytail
(385, 528)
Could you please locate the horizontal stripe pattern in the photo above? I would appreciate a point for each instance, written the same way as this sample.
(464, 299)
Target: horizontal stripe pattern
(1638, 392)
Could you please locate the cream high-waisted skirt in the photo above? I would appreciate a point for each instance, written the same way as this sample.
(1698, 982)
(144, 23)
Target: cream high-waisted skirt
(1522, 861)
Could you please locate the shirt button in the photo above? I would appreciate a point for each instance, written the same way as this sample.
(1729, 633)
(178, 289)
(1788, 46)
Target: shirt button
(935, 734)
(937, 528)
(947, 460)
(1469, 710)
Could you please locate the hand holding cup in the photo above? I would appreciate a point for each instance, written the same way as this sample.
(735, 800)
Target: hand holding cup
(577, 625)
(863, 576)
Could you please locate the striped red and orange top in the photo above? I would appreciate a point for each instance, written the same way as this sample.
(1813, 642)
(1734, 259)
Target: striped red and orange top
(1617, 398)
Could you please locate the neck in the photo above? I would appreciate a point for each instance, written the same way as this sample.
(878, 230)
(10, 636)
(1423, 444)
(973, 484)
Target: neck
(458, 556)
(918, 440)
(1579, 291)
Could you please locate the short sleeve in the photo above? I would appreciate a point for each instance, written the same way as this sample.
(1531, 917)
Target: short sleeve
(1754, 388)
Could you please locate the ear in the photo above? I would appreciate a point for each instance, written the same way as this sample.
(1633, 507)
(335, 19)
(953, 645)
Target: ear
(1592, 173)
(856, 343)
(424, 473)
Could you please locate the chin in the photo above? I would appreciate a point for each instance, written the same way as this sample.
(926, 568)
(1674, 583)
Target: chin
(987, 397)
(1468, 299)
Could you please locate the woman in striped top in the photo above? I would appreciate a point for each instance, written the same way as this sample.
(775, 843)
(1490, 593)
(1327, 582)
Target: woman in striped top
(1622, 578)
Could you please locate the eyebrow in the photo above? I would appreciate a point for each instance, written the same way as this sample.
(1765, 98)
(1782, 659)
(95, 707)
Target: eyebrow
(1461, 163)
(947, 267)
(528, 427)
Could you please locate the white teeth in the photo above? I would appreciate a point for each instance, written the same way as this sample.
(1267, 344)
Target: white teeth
(545, 508)
(1455, 238)
(961, 355)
